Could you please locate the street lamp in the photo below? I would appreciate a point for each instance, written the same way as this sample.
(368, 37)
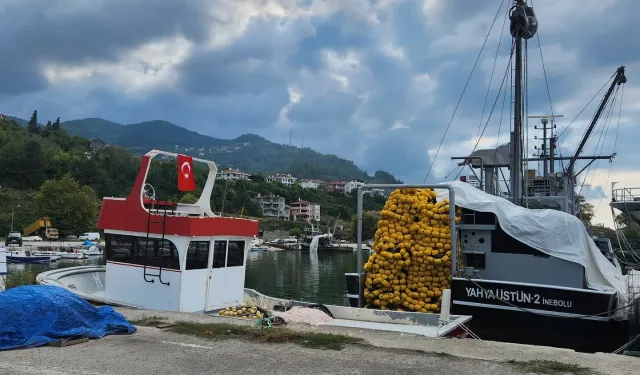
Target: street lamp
(12, 212)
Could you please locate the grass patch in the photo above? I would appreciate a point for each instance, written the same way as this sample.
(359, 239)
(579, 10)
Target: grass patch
(148, 321)
(551, 367)
(225, 331)
(21, 277)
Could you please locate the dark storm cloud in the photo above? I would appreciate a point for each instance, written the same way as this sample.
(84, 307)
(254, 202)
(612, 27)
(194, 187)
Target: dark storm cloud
(240, 87)
(252, 64)
(339, 33)
(399, 152)
(37, 31)
(335, 108)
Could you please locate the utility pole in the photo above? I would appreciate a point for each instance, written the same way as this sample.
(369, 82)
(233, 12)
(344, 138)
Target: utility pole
(12, 212)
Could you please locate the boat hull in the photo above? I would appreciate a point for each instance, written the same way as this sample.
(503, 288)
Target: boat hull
(306, 247)
(540, 315)
(88, 282)
(28, 259)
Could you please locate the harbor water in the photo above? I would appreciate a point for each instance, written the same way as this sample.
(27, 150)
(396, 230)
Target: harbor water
(314, 277)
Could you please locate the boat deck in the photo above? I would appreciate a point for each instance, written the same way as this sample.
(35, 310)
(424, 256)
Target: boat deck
(422, 330)
(424, 324)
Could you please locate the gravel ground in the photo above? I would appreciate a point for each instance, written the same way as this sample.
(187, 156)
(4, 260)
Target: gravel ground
(153, 351)
(464, 349)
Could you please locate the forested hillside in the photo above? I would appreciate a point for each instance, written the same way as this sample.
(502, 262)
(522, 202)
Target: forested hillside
(44, 171)
(249, 152)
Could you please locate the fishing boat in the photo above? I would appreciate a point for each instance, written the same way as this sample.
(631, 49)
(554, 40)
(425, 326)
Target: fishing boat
(526, 268)
(257, 245)
(315, 240)
(89, 251)
(27, 256)
(627, 201)
(3, 267)
(289, 243)
(172, 256)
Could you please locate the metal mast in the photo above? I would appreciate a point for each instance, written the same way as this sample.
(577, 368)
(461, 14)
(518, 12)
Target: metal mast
(524, 25)
(547, 154)
(618, 79)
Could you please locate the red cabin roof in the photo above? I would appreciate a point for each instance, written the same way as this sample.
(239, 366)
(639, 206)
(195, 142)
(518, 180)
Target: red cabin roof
(129, 214)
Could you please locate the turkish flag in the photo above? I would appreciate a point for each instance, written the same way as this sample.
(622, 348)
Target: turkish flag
(186, 180)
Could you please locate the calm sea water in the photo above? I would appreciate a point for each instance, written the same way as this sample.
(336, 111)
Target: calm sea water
(314, 277)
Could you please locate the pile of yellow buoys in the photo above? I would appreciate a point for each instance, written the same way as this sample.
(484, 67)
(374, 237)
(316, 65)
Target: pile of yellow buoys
(245, 311)
(411, 263)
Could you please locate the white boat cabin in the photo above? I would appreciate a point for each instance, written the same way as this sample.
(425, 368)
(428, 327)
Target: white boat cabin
(172, 256)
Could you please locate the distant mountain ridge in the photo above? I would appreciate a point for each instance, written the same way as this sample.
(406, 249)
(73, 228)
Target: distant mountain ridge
(249, 152)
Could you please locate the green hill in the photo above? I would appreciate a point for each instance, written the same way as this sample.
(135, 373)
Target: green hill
(249, 152)
(35, 156)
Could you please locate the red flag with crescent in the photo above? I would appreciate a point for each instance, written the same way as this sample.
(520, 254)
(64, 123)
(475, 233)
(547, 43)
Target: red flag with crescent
(186, 180)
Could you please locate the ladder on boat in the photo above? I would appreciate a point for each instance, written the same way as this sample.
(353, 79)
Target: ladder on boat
(158, 244)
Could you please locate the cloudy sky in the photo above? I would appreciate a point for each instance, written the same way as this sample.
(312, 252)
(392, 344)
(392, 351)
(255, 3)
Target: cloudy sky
(374, 81)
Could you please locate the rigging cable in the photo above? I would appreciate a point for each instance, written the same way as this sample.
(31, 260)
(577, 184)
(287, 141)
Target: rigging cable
(495, 60)
(453, 170)
(463, 91)
(604, 131)
(577, 316)
(504, 99)
(504, 78)
(585, 107)
(615, 142)
(546, 82)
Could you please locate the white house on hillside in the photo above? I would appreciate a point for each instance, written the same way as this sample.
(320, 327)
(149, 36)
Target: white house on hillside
(285, 179)
(311, 184)
(232, 174)
(352, 185)
(273, 206)
(305, 210)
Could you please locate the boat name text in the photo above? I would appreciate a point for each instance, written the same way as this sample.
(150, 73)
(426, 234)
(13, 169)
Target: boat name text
(516, 296)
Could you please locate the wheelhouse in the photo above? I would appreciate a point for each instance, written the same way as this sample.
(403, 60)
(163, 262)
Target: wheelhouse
(173, 256)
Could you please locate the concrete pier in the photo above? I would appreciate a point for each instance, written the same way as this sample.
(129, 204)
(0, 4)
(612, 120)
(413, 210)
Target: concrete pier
(155, 351)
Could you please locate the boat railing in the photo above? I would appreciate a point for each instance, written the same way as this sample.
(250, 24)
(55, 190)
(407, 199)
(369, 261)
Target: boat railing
(626, 195)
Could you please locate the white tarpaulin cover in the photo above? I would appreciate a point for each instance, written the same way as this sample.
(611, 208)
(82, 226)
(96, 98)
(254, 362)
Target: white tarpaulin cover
(553, 232)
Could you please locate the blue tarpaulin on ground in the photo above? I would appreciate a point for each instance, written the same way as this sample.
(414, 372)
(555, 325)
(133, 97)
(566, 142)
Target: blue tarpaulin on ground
(35, 315)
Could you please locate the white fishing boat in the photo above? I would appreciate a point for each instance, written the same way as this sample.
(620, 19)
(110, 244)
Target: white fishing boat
(3, 267)
(257, 244)
(75, 254)
(90, 251)
(182, 257)
(28, 256)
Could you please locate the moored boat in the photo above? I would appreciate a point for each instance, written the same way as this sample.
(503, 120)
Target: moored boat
(182, 257)
(27, 256)
(257, 244)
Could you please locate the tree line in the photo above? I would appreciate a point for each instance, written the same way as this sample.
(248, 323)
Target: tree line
(46, 172)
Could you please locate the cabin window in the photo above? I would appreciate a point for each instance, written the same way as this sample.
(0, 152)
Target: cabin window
(198, 255)
(236, 254)
(503, 243)
(219, 254)
(151, 252)
(476, 260)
